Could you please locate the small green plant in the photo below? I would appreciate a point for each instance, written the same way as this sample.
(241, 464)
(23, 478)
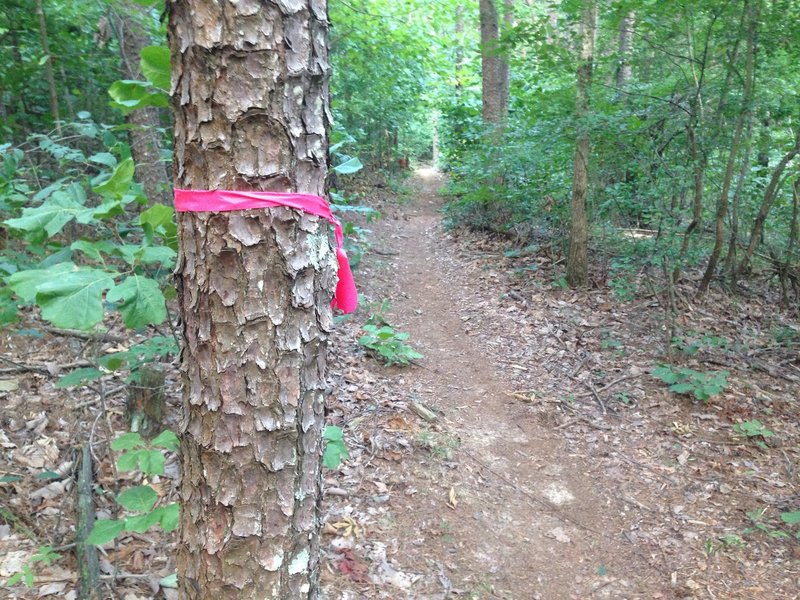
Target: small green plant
(758, 518)
(441, 445)
(147, 457)
(621, 283)
(692, 344)
(335, 448)
(753, 429)
(388, 344)
(688, 381)
(45, 555)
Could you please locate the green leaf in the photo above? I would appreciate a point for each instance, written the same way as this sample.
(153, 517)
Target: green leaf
(140, 498)
(128, 441)
(682, 388)
(167, 439)
(141, 523)
(156, 66)
(104, 158)
(119, 181)
(51, 216)
(170, 581)
(79, 376)
(665, 374)
(104, 531)
(170, 517)
(129, 95)
(791, 518)
(129, 461)
(10, 478)
(151, 462)
(93, 250)
(142, 301)
(74, 300)
(333, 433)
(349, 166)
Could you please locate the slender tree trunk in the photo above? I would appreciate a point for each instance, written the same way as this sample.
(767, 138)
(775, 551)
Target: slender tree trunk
(733, 237)
(251, 105)
(494, 69)
(624, 48)
(459, 53)
(577, 261)
(751, 8)
(145, 138)
(48, 67)
(766, 205)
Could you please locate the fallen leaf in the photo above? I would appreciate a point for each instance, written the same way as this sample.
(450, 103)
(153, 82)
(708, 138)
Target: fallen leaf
(452, 502)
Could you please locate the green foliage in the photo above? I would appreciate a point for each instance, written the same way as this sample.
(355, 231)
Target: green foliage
(147, 457)
(688, 381)
(335, 449)
(388, 344)
(82, 252)
(753, 429)
(45, 555)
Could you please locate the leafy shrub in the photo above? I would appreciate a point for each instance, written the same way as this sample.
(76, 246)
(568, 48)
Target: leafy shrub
(388, 344)
(688, 381)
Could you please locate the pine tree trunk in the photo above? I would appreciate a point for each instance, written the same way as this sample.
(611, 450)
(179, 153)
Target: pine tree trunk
(577, 261)
(251, 100)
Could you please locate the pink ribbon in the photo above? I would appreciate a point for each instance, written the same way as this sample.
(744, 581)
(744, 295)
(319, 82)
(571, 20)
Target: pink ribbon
(346, 297)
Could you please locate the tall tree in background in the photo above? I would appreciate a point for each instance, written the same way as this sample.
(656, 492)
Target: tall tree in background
(577, 261)
(494, 70)
(251, 105)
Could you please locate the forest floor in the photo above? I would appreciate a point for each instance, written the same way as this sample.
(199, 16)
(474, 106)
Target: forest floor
(529, 454)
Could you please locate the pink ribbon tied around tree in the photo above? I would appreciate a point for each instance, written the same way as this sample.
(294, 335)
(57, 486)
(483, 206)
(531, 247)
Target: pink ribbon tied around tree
(346, 297)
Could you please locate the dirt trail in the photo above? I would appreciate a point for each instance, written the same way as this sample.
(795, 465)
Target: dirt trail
(510, 512)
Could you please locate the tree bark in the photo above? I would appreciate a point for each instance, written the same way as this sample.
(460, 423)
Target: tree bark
(251, 100)
(145, 138)
(494, 69)
(577, 260)
(48, 68)
(766, 205)
(624, 47)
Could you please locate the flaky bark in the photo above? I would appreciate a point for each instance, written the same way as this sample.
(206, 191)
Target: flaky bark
(577, 260)
(250, 94)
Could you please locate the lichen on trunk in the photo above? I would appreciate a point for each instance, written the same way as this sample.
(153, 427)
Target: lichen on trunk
(250, 91)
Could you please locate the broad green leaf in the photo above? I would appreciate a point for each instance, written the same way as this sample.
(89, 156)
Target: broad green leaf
(25, 283)
(119, 181)
(791, 518)
(170, 581)
(104, 158)
(349, 166)
(58, 210)
(74, 300)
(127, 441)
(140, 498)
(333, 433)
(93, 250)
(129, 461)
(156, 66)
(142, 301)
(141, 523)
(79, 376)
(104, 531)
(130, 95)
(167, 439)
(151, 462)
(170, 517)
(682, 388)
